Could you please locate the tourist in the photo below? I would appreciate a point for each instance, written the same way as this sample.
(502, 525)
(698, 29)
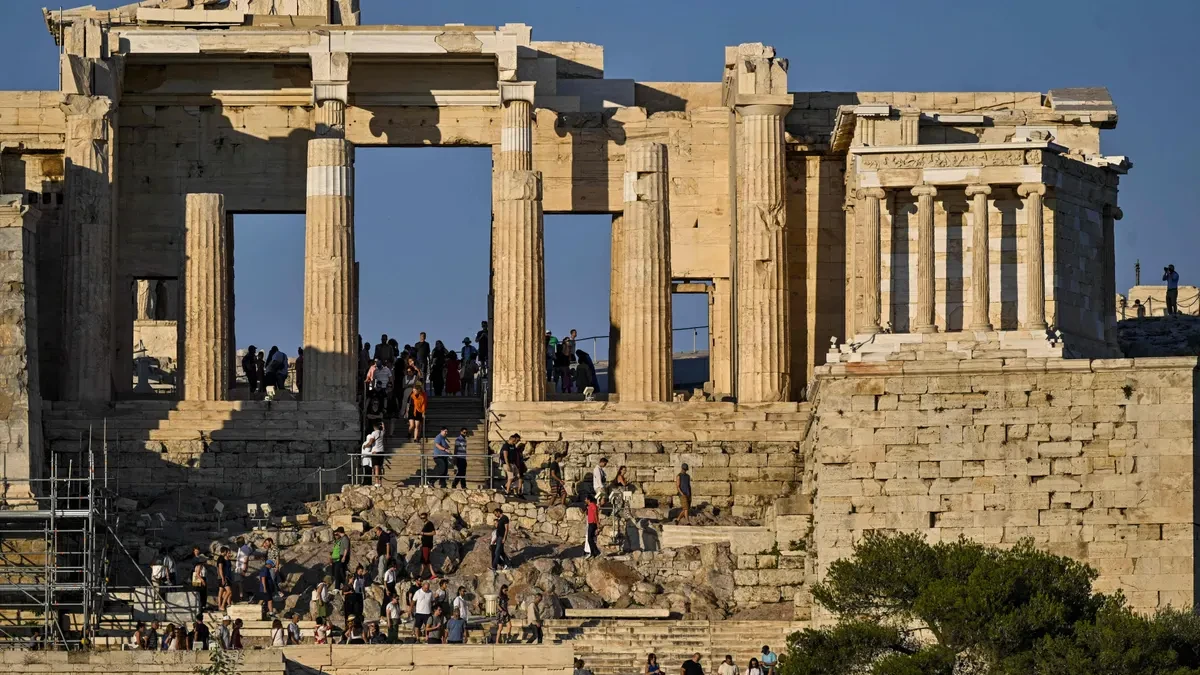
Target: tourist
(558, 486)
(383, 350)
(320, 599)
(441, 457)
(355, 594)
(168, 564)
(503, 616)
(551, 351)
(200, 584)
(652, 667)
(499, 536)
(1172, 278)
(374, 637)
(562, 368)
(753, 668)
(683, 487)
(235, 640)
(456, 629)
(534, 618)
(156, 641)
(416, 410)
(579, 669)
(727, 667)
(271, 551)
(375, 410)
(323, 631)
(364, 364)
(421, 610)
(278, 634)
(260, 369)
(441, 597)
(1140, 309)
(138, 639)
(224, 579)
(390, 578)
(620, 482)
(481, 339)
(385, 548)
(460, 459)
(453, 376)
(428, 530)
(585, 371)
(276, 372)
(590, 547)
(514, 466)
(437, 368)
(692, 666)
(179, 640)
(599, 479)
(569, 345)
(199, 636)
(354, 632)
(372, 455)
(298, 365)
(469, 367)
(461, 607)
(295, 636)
(250, 368)
(241, 567)
(422, 354)
(339, 557)
(393, 612)
(469, 353)
(265, 590)
(225, 633)
(435, 627)
(769, 660)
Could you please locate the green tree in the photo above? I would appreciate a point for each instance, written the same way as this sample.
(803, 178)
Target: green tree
(221, 662)
(905, 606)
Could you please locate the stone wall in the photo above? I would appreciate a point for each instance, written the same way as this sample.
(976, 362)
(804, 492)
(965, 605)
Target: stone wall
(1091, 459)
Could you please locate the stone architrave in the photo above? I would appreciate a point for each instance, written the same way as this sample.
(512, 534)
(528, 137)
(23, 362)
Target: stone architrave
(645, 346)
(870, 198)
(1111, 214)
(87, 251)
(980, 258)
(924, 320)
(1035, 291)
(763, 338)
(206, 325)
(330, 345)
(614, 301)
(516, 129)
(518, 284)
(20, 397)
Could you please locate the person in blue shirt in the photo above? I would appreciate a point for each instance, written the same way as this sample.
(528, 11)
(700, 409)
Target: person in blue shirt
(769, 659)
(441, 457)
(460, 459)
(1172, 278)
(266, 590)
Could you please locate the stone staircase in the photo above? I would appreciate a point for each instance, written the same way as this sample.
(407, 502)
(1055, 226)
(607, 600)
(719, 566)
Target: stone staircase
(619, 647)
(454, 412)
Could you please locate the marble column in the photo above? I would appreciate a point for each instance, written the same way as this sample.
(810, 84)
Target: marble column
(763, 338)
(645, 346)
(869, 199)
(516, 128)
(614, 300)
(1111, 214)
(924, 320)
(980, 258)
(207, 313)
(518, 357)
(21, 445)
(1035, 267)
(330, 346)
(87, 251)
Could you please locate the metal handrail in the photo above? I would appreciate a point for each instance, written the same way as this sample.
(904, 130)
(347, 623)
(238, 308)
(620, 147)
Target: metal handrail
(695, 339)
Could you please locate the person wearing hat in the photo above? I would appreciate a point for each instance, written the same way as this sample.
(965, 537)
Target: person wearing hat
(683, 486)
(339, 558)
(468, 367)
(225, 632)
(265, 590)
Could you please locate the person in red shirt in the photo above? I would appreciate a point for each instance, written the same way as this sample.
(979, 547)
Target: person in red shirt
(593, 527)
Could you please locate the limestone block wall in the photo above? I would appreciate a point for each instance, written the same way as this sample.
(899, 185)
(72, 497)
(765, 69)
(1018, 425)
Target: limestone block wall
(1091, 459)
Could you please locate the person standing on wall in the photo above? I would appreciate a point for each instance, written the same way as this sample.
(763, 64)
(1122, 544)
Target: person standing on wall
(1172, 278)
(683, 486)
(250, 369)
(590, 547)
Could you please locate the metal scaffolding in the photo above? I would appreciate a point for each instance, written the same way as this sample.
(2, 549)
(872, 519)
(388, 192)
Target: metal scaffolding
(54, 552)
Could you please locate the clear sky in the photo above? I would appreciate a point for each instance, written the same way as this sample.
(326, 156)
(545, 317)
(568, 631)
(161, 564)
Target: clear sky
(422, 215)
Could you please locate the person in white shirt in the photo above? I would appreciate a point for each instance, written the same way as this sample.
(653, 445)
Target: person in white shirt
(278, 634)
(422, 609)
(727, 667)
(394, 612)
(372, 455)
(461, 606)
(599, 480)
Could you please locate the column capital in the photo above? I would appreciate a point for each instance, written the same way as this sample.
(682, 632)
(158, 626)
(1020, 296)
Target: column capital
(924, 191)
(330, 76)
(772, 107)
(516, 91)
(1026, 189)
(1113, 211)
(871, 193)
(973, 190)
(331, 90)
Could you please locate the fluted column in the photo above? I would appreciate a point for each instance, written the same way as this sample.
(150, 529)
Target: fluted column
(763, 344)
(870, 214)
(1035, 267)
(1112, 213)
(924, 320)
(616, 270)
(516, 128)
(518, 286)
(330, 117)
(206, 324)
(980, 258)
(87, 252)
(645, 346)
(329, 336)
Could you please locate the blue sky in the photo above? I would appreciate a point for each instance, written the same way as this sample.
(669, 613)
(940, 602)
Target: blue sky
(1145, 53)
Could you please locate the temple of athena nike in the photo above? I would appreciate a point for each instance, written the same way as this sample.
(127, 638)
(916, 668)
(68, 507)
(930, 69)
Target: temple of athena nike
(911, 295)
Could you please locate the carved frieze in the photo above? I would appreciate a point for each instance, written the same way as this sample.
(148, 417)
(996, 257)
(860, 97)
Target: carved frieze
(922, 160)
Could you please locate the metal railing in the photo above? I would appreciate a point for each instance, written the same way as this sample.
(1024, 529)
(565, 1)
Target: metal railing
(675, 341)
(362, 475)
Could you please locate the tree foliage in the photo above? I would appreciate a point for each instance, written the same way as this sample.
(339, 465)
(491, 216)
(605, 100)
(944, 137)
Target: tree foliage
(221, 662)
(905, 606)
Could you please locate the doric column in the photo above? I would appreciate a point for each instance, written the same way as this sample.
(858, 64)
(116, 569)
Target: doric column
(924, 320)
(87, 251)
(1112, 213)
(763, 352)
(869, 213)
(645, 346)
(980, 261)
(518, 287)
(516, 129)
(616, 269)
(1035, 291)
(329, 336)
(206, 324)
